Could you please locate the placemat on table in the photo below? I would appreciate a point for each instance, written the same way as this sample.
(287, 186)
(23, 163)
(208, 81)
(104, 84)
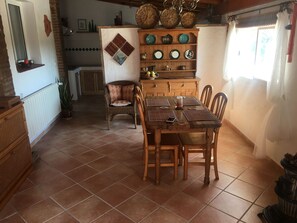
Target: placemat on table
(199, 115)
(157, 102)
(190, 101)
(160, 115)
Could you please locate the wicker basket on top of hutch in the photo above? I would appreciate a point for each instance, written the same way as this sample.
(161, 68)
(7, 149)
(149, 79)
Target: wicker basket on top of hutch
(15, 149)
(172, 54)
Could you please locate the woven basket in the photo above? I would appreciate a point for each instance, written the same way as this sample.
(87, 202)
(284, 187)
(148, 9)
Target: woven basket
(169, 18)
(147, 16)
(288, 208)
(188, 19)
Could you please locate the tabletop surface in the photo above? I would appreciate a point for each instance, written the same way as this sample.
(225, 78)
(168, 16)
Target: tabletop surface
(192, 116)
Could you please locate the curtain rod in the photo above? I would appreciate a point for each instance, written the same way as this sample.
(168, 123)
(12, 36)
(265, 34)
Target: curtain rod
(284, 4)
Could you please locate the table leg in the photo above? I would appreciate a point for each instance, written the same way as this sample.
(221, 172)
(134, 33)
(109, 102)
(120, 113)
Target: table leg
(209, 135)
(157, 154)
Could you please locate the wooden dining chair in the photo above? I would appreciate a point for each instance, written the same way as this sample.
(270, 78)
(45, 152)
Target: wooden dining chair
(196, 142)
(138, 92)
(205, 96)
(169, 143)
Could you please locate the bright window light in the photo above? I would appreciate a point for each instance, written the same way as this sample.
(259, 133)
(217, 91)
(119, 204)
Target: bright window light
(255, 54)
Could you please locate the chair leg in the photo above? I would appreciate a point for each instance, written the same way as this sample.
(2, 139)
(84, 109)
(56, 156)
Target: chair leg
(176, 152)
(145, 164)
(135, 120)
(180, 156)
(108, 121)
(215, 163)
(186, 157)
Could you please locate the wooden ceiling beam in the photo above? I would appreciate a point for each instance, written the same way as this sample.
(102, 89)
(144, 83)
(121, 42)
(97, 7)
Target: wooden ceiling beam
(235, 5)
(159, 3)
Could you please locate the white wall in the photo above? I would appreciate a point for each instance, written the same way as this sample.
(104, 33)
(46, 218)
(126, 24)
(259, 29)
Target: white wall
(31, 81)
(102, 14)
(129, 70)
(250, 107)
(211, 49)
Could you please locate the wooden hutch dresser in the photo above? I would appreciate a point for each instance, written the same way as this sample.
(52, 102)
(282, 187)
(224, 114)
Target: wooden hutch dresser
(15, 149)
(172, 54)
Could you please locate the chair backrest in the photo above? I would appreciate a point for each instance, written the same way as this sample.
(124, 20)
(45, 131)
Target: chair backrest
(122, 83)
(138, 92)
(142, 119)
(218, 105)
(206, 95)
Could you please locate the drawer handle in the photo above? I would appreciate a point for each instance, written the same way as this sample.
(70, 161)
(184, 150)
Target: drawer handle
(155, 85)
(183, 85)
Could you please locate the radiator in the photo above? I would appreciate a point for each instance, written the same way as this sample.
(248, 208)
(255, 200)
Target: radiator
(41, 110)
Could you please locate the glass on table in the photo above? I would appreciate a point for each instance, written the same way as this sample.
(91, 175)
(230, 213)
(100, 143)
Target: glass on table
(179, 102)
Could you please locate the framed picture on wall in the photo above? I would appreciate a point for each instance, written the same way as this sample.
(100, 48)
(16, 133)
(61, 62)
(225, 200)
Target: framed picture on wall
(82, 25)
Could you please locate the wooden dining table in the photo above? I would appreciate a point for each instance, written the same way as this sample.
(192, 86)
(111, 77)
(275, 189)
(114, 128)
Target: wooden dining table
(192, 117)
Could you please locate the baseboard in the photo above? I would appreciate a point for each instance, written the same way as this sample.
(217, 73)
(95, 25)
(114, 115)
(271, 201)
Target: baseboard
(53, 123)
(235, 129)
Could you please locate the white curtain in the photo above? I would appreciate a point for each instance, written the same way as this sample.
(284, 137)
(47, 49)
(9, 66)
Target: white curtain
(276, 125)
(231, 53)
(229, 68)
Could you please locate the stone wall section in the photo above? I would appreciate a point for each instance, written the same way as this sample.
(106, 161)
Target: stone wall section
(6, 83)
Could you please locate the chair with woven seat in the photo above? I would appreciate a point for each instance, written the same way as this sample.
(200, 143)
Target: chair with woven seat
(196, 142)
(120, 99)
(138, 91)
(169, 143)
(205, 96)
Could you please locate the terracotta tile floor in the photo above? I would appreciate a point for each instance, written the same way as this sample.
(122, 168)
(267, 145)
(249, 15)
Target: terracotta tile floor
(87, 173)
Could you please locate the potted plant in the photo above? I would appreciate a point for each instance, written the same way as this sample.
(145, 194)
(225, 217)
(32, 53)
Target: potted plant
(65, 98)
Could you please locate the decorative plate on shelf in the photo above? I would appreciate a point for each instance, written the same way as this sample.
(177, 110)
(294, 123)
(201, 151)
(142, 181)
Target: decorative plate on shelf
(150, 39)
(170, 18)
(158, 54)
(189, 54)
(183, 38)
(147, 16)
(167, 39)
(174, 54)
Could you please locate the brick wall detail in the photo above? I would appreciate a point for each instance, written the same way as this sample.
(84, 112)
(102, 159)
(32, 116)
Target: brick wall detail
(58, 36)
(6, 83)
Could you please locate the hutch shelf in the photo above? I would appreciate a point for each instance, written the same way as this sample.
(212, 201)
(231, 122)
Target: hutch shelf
(172, 54)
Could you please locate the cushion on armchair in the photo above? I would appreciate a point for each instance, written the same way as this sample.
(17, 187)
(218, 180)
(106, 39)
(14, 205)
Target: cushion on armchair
(115, 92)
(121, 95)
(128, 92)
(119, 103)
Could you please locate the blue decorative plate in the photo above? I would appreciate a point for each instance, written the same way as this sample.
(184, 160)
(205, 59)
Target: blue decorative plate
(183, 38)
(150, 39)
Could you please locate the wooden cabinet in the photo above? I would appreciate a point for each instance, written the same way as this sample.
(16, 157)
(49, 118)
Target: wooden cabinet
(171, 53)
(91, 82)
(15, 151)
(170, 87)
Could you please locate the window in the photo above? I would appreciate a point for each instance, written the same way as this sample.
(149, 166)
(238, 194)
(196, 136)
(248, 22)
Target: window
(24, 34)
(17, 32)
(255, 53)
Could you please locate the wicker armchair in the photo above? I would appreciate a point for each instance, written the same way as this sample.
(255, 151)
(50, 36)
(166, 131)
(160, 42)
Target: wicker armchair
(113, 109)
